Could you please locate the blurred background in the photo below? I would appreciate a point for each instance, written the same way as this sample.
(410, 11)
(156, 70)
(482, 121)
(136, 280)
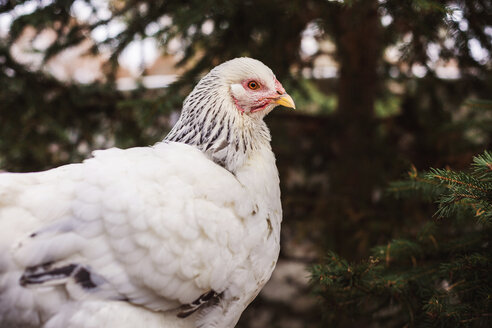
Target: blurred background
(382, 88)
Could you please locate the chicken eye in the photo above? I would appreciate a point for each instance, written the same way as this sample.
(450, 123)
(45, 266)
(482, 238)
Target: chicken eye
(253, 85)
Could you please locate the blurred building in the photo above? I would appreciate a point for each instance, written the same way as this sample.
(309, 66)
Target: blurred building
(77, 64)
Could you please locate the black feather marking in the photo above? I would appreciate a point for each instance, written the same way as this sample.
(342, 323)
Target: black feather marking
(244, 144)
(186, 139)
(207, 112)
(41, 274)
(217, 134)
(228, 131)
(220, 161)
(222, 145)
(199, 99)
(212, 139)
(255, 209)
(208, 299)
(270, 227)
(83, 278)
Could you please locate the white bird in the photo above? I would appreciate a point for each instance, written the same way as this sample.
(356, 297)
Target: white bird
(181, 234)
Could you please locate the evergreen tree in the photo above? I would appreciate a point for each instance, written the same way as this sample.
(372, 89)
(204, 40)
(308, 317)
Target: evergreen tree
(440, 277)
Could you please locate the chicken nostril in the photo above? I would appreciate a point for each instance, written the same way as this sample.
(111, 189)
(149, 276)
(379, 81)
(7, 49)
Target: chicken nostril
(280, 93)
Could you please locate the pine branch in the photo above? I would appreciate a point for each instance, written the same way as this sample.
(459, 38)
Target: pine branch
(482, 166)
(441, 277)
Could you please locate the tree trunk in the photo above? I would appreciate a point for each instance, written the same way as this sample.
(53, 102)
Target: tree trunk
(359, 47)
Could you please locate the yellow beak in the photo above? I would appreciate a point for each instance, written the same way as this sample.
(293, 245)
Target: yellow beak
(286, 101)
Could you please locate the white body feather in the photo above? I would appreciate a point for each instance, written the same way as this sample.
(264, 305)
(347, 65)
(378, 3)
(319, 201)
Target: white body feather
(162, 225)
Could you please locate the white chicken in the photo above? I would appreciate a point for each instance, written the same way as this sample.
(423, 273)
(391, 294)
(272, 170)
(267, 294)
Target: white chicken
(181, 234)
